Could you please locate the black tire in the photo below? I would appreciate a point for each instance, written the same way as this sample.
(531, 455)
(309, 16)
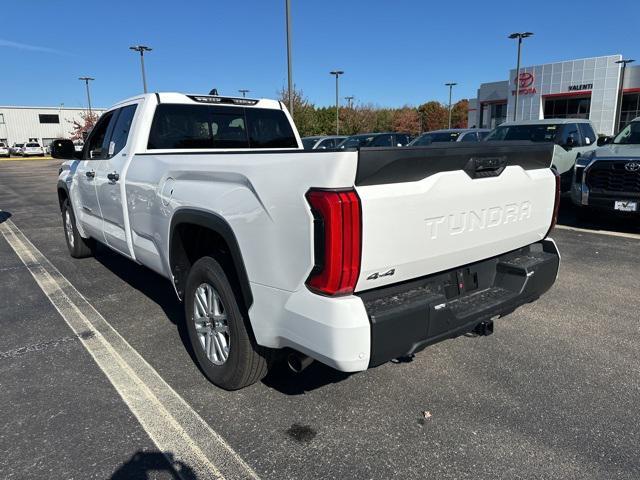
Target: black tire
(78, 247)
(247, 362)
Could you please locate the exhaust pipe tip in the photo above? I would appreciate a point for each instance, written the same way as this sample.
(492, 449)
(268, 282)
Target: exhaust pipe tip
(297, 362)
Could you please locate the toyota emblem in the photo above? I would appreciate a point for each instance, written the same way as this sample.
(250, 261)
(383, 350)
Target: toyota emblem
(632, 167)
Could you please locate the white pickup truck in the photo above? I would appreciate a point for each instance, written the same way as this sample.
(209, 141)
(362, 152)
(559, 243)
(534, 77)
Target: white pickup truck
(351, 257)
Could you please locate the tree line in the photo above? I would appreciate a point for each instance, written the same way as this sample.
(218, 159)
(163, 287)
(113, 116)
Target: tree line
(431, 115)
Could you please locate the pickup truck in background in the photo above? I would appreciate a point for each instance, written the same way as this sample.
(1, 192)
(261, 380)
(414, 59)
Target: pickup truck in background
(608, 178)
(351, 257)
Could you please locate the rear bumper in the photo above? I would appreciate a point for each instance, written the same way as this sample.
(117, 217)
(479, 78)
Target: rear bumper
(408, 317)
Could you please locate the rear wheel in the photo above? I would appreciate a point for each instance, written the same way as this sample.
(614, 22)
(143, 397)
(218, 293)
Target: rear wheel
(78, 247)
(224, 347)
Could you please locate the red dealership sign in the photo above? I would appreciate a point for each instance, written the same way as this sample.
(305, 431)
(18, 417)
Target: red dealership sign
(525, 84)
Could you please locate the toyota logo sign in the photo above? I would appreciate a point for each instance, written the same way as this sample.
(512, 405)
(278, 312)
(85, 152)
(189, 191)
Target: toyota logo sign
(525, 80)
(632, 167)
(524, 83)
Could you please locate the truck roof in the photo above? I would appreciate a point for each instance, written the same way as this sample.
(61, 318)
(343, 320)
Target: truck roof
(198, 98)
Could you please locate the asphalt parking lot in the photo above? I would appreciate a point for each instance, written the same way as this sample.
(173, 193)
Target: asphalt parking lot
(553, 393)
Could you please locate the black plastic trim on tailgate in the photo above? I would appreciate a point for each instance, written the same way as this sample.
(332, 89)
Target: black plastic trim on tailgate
(378, 166)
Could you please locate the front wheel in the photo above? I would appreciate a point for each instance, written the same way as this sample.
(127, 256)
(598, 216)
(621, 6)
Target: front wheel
(218, 331)
(78, 247)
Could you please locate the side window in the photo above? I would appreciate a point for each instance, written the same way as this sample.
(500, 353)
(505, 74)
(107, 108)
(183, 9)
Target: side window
(327, 144)
(95, 141)
(470, 137)
(569, 130)
(382, 141)
(588, 135)
(269, 129)
(121, 128)
(401, 139)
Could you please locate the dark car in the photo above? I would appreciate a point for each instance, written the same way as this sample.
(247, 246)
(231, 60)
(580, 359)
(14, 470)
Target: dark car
(386, 139)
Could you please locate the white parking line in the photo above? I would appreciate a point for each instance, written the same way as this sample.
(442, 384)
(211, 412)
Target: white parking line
(634, 236)
(169, 421)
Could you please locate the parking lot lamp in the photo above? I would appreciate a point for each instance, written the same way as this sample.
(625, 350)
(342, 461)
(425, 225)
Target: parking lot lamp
(86, 81)
(244, 92)
(289, 68)
(337, 74)
(141, 49)
(450, 85)
(621, 93)
(349, 100)
(519, 36)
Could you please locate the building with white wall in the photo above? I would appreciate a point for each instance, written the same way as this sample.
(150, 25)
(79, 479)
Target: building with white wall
(584, 88)
(21, 124)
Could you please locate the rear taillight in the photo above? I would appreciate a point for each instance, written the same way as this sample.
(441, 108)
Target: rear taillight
(556, 205)
(337, 232)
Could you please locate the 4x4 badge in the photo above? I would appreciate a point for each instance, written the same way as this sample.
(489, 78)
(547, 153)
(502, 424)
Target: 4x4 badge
(375, 276)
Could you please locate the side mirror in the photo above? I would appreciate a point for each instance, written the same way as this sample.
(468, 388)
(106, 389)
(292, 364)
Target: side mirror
(604, 140)
(63, 149)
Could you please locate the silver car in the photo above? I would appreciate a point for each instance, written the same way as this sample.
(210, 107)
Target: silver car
(320, 142)
(4, 150)
(451, 135)
(573, 137)
(16, 149)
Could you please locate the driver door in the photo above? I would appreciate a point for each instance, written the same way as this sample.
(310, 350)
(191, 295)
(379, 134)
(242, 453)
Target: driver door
(84, 197)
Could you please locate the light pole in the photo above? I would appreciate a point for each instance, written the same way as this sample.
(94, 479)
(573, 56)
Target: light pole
(86, 81)
(60, 107)
(621, 93)
(337, 74)
(450, 85)
(349, 100)
(289, 71)
(519, 36)
(244, 92)
(141, 49)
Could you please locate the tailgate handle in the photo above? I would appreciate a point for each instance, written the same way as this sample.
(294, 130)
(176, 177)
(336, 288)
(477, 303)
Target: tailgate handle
(482, 167)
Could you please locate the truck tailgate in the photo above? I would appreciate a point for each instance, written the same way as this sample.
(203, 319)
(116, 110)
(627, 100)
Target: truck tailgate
(429, 209)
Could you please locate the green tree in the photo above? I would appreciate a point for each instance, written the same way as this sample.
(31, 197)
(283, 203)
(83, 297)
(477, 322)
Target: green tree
(434, 115)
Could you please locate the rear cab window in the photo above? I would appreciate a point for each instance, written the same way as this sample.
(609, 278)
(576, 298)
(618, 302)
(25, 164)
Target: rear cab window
(184, 126)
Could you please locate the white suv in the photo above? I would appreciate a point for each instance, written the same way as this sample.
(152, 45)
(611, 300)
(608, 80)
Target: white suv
(4, 150)
(32, 149)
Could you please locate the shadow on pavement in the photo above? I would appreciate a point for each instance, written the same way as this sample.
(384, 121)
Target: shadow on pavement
(4, 216)
(315, 376)
(572, 216)
(153, 286)
(148, 465)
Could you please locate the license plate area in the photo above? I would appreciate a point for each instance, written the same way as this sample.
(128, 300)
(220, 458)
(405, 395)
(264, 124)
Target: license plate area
(625, 206)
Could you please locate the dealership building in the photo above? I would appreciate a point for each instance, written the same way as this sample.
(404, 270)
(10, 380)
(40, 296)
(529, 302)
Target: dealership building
(585, 88)
(39, 124)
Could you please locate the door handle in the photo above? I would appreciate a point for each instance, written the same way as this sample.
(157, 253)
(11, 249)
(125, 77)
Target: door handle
(113, 177)
(90, 174)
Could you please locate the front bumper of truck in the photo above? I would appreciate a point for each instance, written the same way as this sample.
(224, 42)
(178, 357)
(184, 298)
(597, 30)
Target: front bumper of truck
(408, 317)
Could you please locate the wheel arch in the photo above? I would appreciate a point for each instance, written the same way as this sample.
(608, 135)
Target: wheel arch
(63, 192)
(195, 233)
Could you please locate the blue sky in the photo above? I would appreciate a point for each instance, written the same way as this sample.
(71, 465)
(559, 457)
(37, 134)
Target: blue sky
(393, 53)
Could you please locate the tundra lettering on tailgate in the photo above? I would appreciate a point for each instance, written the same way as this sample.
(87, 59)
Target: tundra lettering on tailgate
(457, 223)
